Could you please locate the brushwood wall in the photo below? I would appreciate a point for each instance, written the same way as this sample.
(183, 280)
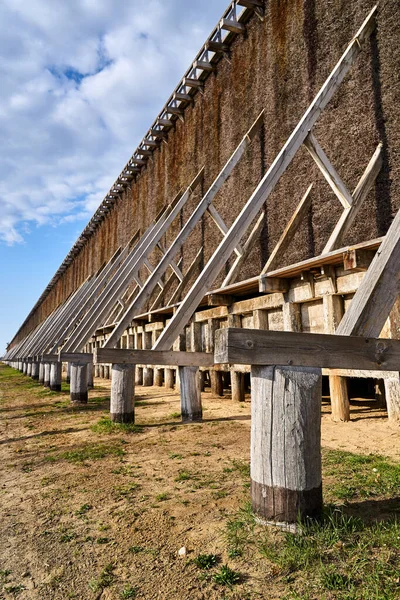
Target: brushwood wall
(277, 65)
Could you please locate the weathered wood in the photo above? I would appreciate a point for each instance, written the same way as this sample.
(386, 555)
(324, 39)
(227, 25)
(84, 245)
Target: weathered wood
(90, 373)
(169, 379)
(46, 378)
(328, 171)
(158, 377)
(288, 234)
(220, 300)
(217, 387)
(86, 357)
(78, 385)
(286, 482)
(237, 386)
(188, 275)
(357, 260)
(29, 368)
(249, 212)
(190, 393)
(55, 376)
(68, 374)
(253, 347)
(107, 374)
(122, 409)
(392, 392)
(41, 373)
(232, 25)
(35, 370)
(253, 238)
(153, 357)
(138, 375)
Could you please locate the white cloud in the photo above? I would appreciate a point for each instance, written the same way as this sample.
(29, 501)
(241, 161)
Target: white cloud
(81, 82)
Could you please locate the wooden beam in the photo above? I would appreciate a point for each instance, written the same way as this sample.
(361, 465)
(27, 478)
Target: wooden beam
(188, 275)
(220, 223)
(266, 186)
(257, 347)
(360, 193)
(288, 234)
(220, 300)
(247, 247)
(328, 171)
(232, 25)
(152, 357)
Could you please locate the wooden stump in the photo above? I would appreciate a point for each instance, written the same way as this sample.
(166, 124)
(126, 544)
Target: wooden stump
(169, 379)
(286, 478)
(41, 373)
(158, 377)
(237, 386)
(217, 387)
(139, 376)
(148, 376)
(35, 370)
(122, 407)
(55, 376)
(340, 404)
(46, 379)
(78, 386)
(90, 370)
(191, 409)
(392, 391)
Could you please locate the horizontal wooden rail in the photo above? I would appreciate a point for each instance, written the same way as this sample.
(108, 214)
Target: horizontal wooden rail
(83, 357)
(153, 357)
(256, 347)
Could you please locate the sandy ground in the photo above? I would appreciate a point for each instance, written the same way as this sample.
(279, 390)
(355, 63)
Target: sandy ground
(147, 495)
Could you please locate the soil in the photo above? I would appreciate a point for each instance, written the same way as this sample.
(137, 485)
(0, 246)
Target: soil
(138, 497)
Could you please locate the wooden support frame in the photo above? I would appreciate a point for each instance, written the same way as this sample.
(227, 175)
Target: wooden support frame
(152, 357)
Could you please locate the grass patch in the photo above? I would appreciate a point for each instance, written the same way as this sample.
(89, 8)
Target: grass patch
(104, 580)
(226, 576)
(206, 561)
(129, 592)
(83, 510)
(88, 452)
(184, 476)
(162, 497)
(175, 415)
(105, 425)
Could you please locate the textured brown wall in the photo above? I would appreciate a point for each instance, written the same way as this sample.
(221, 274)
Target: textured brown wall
(278, 65)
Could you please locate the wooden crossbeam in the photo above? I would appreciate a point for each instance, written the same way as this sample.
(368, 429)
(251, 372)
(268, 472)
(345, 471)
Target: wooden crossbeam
(232, 25)
(286, 348)
(187, 229)
(247, 247)
(287, 235)
(220, 223)
(150, 357)
(360, 193)
(189, 273)
(253, 206)
(167, 286)
(328, 171)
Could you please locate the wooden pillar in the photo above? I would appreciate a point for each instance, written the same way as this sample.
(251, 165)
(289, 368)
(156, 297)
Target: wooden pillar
(392, 393)
(55, 376)
(340, 405)
(46, 380)
(78, 386)
(237, 386)
(24, 366)
(169, 378)
(286, 480)
(20, 365)
(101, 371)
(158, 377)
(217, 386)
(139, 376)
(191, 409)
(90, 370)
(148, 372)
(29, 368)
(380, 395)
(97, 370)
(35, 370)
(203, 375)
(68, 375)
(122, 407)
(106, 371)
(41, 373)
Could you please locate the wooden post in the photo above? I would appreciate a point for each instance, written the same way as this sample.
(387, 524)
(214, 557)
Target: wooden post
(122, 407)
(169, 378)
(101, 371)
(148, 372)
(68, 376)
(97, 370)
(380, 395)
(203, 376)
(237, 386)
(139, 376)
(392, 392)
(46, 379)
(191, 409)
(20, 365)
(41, 373)
(106, 371)
(78, 387)
(29, 368)
(286, 480)
(217, 386)
(35, 370)
(158, 377)
(24, 367)
(90, 370)
(55, 376)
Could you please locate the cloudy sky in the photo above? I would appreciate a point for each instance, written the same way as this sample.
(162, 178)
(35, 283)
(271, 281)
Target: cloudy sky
(81, 82)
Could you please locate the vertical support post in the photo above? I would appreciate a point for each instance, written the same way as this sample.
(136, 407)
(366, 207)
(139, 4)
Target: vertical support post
(55, 376)
(169, 378)
(148, 372)
(90, 371)
(340, 404)
(35, 370)
(68, 376)
(106, 371)
(46, 379)
(101, 371)
(24, 366)
(191, 409)
(20, 365)
(286, 481)
(78, 385)
(392, 392)
(158, 376)
(29, 368)
(237, 386)
(41, 373)
(122, 405)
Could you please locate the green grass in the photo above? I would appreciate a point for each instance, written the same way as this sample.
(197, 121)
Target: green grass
(175, 415)
(226, 576)
(162, 497)
(83, 510)
(184, 476)
(105, 425)
(87, 452)
(129, 592)
(206, 561)
(104, 580)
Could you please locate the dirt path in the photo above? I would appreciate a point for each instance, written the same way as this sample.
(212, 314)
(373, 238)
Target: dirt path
(88, 512)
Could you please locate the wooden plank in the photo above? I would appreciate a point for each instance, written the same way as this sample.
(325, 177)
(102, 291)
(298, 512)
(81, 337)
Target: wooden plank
(328, 171)
(247, 247)
(232, 25)
(256, 201)
(360, 193)
(167, 286)
(288, 233)
(220, 223)
(191, 223)
(378, 290)
(189, 273)
(254, 347)
(152, 357)
(84, 357)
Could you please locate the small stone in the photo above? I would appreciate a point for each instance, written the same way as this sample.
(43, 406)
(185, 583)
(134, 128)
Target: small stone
(182, 551)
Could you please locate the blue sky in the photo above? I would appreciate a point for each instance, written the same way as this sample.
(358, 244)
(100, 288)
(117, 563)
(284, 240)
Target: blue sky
(81, 83)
